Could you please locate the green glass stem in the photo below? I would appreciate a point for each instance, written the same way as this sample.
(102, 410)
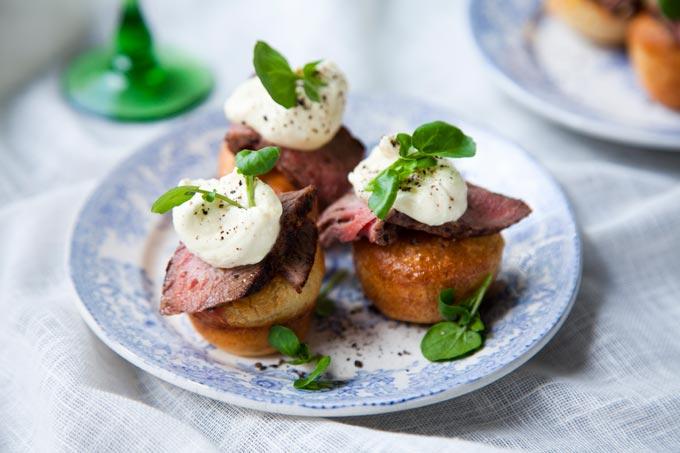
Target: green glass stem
(132, 43)
(133, 80)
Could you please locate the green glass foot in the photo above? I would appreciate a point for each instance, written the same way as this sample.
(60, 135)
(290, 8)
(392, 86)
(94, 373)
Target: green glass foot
(133, 81)
(174, 84)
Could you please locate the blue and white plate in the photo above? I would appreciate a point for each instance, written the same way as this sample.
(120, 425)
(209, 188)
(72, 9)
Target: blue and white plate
(119, 252)
(551, 69)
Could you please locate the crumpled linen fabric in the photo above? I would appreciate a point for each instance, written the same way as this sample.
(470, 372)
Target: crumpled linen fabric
(608, 381)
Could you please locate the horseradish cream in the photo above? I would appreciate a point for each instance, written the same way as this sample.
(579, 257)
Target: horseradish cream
(227, 236)
(306, 126)
(432, 196)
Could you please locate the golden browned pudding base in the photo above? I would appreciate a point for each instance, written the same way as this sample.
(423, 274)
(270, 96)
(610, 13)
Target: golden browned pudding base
(275, 179)
(656, 59)
(250, 341)
(404, 279)
(242, 327)
(590, 19)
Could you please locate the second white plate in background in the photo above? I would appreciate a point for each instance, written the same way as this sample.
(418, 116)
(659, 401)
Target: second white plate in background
(548, 67)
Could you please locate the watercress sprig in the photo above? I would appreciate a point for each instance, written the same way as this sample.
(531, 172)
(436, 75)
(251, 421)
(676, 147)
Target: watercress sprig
(462, 332)
(280, 80)
(181, 194)
(325, 306)
(670, 9)
(249, 163)
(286, 342)
(431, 140)
(255, 163)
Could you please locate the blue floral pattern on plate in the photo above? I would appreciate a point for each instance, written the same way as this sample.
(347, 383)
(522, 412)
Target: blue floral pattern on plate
(551, 69)
(119, 251)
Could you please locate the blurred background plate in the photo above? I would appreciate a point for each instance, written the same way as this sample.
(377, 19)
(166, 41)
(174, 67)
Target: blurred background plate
(549, 68)
(119, 251)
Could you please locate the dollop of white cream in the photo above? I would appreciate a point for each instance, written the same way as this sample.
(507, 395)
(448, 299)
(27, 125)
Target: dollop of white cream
(432, 196)
(227, 236)
(307, 126)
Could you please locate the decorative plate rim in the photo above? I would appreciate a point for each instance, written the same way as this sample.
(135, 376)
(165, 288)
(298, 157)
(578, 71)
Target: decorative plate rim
(608, 131)
(348, 409)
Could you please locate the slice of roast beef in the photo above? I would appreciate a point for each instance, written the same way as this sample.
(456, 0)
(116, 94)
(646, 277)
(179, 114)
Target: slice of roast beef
(298, 260)
(242, 137)
(325, 168)
(487, 213)
(294, 256)
(350, 219)
(191, 285)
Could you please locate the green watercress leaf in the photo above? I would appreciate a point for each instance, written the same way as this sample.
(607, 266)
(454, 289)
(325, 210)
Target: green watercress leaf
(311, 91)
(404, 144)
(454, 313)
(311, 81)
(447, 296)
(461, 333)
(404, 168)
(275, 73)
(284, 340)
(280, 80)
(304, 353)
(426, 162)
(442, 139)
(172, 198)
(325, 306)
(670, 9)
(384, 193)
(310, 73)
(476, 323)
(181, 194)
(321, 366)
(255, 163)
(319, 385)
(448, 340)
(417, 152)
(210, 196)
(476, 298)
(467, 148)
(301, 360)
(449, 311)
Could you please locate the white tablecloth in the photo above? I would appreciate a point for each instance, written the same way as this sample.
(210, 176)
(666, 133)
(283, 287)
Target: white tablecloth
(609, 380)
